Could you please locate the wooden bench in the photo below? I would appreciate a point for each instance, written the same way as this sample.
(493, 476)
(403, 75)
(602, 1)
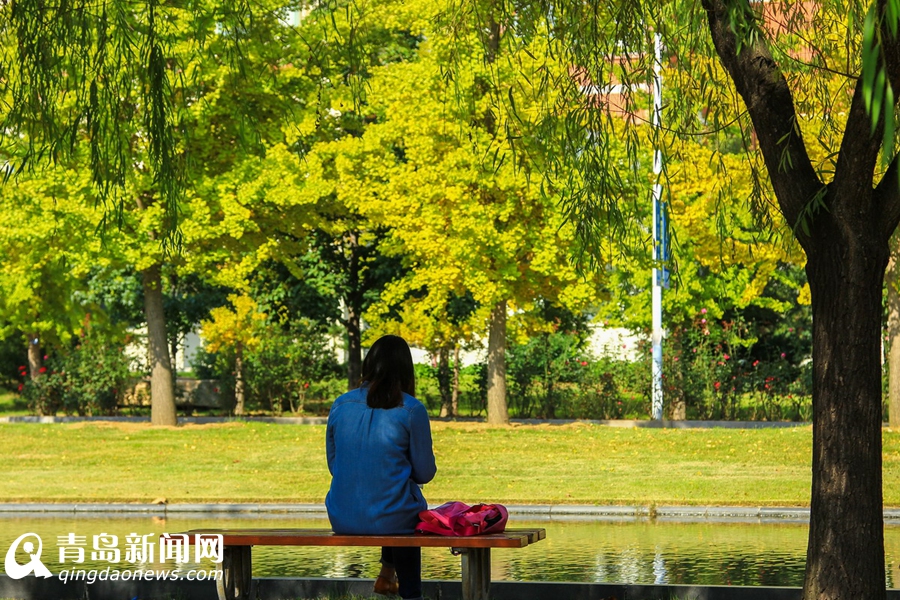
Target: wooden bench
(475, 552)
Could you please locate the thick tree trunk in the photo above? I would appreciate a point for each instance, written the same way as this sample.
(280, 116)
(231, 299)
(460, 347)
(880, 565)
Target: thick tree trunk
(239, 380)
(845, 556)
(893, 327)
(443, 376)
(34, 356)
(497, 411)
(162, 383)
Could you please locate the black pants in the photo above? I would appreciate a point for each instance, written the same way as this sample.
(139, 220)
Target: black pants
(408, 563)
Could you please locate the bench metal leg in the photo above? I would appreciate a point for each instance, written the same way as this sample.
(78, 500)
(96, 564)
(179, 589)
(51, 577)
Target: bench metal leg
(236, 573)
(476, 572)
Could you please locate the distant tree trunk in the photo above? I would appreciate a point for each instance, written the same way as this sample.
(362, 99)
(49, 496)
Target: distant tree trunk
(162, 383)
(239, 379)
(354, 309)
(454, 398)
(354, 350)
(173, 340)
(34, 365)
(444, 384)
(497, 411)
(34, 356)
(845, 557)
(173, 356)
(893, 327)
(676, 384)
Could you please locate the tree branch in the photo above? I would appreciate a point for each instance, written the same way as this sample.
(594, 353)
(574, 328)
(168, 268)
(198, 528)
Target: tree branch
(759, 81)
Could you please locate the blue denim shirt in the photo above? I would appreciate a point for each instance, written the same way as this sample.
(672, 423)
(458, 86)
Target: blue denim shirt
(376, 457)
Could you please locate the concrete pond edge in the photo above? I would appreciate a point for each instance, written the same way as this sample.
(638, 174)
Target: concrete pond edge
(279, 588)
(575, 512)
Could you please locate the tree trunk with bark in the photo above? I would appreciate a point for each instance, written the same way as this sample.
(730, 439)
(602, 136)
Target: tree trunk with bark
(162, 381)
(454, 397)
(34, 356)
(893, 327)
(354, 304)
(35, 363)
(845, 556)
(354, 350)
(444, 383)
(239, 379)
(497, 411)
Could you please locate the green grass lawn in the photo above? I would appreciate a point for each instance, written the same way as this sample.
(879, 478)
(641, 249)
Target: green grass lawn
(577, 464)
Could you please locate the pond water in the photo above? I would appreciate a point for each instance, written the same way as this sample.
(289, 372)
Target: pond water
(702, 553)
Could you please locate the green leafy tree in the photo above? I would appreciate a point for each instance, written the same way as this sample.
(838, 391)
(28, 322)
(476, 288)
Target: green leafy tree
(462, 227)
(46, 258)
(235, 330)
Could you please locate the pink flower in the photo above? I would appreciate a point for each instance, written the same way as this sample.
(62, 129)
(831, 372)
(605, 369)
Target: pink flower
(783, 355)
(755, 362)
(702, 311)
(727, 357)
(703, 320)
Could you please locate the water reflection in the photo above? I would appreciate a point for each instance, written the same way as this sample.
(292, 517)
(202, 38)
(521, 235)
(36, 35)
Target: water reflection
(643, 552)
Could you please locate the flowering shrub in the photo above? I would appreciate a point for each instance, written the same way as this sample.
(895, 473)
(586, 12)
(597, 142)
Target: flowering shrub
(720, 369)
(86, 379)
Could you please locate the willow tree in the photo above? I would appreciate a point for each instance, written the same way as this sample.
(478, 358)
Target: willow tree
(160, 100)
(784, 78)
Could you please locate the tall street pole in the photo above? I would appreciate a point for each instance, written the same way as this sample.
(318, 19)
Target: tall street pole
(660, 243)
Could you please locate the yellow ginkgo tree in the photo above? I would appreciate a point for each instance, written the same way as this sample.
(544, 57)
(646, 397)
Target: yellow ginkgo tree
(234, 330)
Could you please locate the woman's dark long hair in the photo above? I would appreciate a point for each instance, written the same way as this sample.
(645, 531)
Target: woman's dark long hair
(388, 372)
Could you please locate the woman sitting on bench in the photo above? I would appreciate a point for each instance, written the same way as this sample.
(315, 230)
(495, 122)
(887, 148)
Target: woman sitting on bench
(378, 444)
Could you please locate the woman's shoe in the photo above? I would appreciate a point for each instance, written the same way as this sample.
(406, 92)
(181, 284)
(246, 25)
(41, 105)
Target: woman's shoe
(385, 586)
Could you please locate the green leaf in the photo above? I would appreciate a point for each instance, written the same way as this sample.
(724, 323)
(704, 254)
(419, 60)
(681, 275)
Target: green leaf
(877, 98)
(892, 12)
(869, 57)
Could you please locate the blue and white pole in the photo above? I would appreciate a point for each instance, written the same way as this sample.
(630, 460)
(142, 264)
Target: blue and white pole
(660, 244)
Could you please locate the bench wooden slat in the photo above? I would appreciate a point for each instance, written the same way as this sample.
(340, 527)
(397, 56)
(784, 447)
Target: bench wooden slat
(511, 538)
